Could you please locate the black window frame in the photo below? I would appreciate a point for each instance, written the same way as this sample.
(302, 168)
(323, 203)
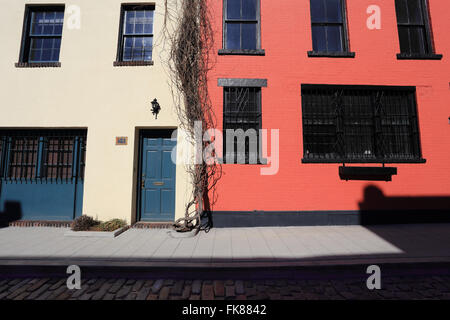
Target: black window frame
(24, 59)
(337, 122)
(256, 52)
(257, 115)
(428, 34)
(345, 53)
(119, 57)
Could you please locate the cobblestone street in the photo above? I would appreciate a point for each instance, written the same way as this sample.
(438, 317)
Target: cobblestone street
(422, 287)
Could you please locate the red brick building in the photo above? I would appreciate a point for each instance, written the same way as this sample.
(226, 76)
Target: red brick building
(348, 83)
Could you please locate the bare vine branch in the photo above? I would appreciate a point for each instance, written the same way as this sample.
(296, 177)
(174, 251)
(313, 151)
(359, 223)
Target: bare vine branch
(188, 31)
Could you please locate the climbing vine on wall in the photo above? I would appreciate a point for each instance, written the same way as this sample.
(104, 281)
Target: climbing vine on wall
(188, 36)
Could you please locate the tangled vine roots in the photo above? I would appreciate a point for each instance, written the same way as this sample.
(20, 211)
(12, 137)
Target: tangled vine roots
(191, 41)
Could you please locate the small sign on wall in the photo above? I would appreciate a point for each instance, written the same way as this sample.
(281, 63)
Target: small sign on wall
(121, 141)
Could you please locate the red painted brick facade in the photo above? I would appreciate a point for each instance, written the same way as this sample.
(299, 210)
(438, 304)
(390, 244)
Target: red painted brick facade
(286, 38)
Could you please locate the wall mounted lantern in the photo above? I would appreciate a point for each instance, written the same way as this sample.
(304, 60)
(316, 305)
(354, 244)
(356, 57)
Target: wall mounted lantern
(155, 108)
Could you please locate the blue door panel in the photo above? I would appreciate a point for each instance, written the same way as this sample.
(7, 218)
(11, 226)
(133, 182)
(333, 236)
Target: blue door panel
(157, 179)
(41, 201)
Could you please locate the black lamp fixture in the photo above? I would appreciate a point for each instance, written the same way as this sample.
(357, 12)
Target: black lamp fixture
(155, 108)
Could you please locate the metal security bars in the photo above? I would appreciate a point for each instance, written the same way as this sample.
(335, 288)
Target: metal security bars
(358, 124)
(242, 110)
(42, 155)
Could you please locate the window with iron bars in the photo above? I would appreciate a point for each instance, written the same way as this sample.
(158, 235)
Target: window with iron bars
(360, 124)
(29, 155)
(242, 110)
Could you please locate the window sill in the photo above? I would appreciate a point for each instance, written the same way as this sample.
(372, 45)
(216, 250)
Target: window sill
(38, 64)
(324, 54)
(304, 160)
(243, 52)
(132, 63)
(415, 56)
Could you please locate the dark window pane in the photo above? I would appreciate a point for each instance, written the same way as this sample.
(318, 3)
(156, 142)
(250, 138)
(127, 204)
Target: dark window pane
(318, 12)
(129, 22)
(35, 55)
(48, 43)
(334, 38)
(148, 45)
(36, 27)
(148, 25)
(319, 38)
(415, 11)
(49, 22)
(402, 11)
(249, 9)
(233, 9)
(138, 20)
(417, 38)
(233, 35)
(46, 55)
(334, 11)
(36, 43)
(55, 54)
(403, 35)
(248, 35)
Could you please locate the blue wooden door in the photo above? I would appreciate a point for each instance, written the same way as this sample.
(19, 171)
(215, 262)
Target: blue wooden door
(157, 181)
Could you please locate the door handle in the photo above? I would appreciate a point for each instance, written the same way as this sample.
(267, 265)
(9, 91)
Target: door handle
(158, 183)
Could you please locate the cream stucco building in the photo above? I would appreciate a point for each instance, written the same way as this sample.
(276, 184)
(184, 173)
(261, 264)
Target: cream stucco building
(85, 89)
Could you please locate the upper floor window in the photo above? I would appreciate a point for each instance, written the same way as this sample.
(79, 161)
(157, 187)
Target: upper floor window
(329, 28)
(241, 27)
(360, 124)
(42, 34)
(136, 33)
(414, 29)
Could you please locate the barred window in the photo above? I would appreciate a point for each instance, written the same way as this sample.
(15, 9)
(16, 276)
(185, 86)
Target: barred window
(136, 34)
(58, 157)
(360, 124)
(42, 34)
(242, 111)
(241, 24)
(328, 25)
(42, 154)
(413, 26)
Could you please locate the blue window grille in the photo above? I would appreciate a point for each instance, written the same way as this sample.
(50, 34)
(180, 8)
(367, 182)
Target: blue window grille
(42, 34)
(42, 155)
(136, 33)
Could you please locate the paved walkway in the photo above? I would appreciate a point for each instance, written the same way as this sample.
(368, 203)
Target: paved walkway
(230, 247)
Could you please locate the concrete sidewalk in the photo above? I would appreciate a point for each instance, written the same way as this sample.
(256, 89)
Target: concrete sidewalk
(231, 247)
